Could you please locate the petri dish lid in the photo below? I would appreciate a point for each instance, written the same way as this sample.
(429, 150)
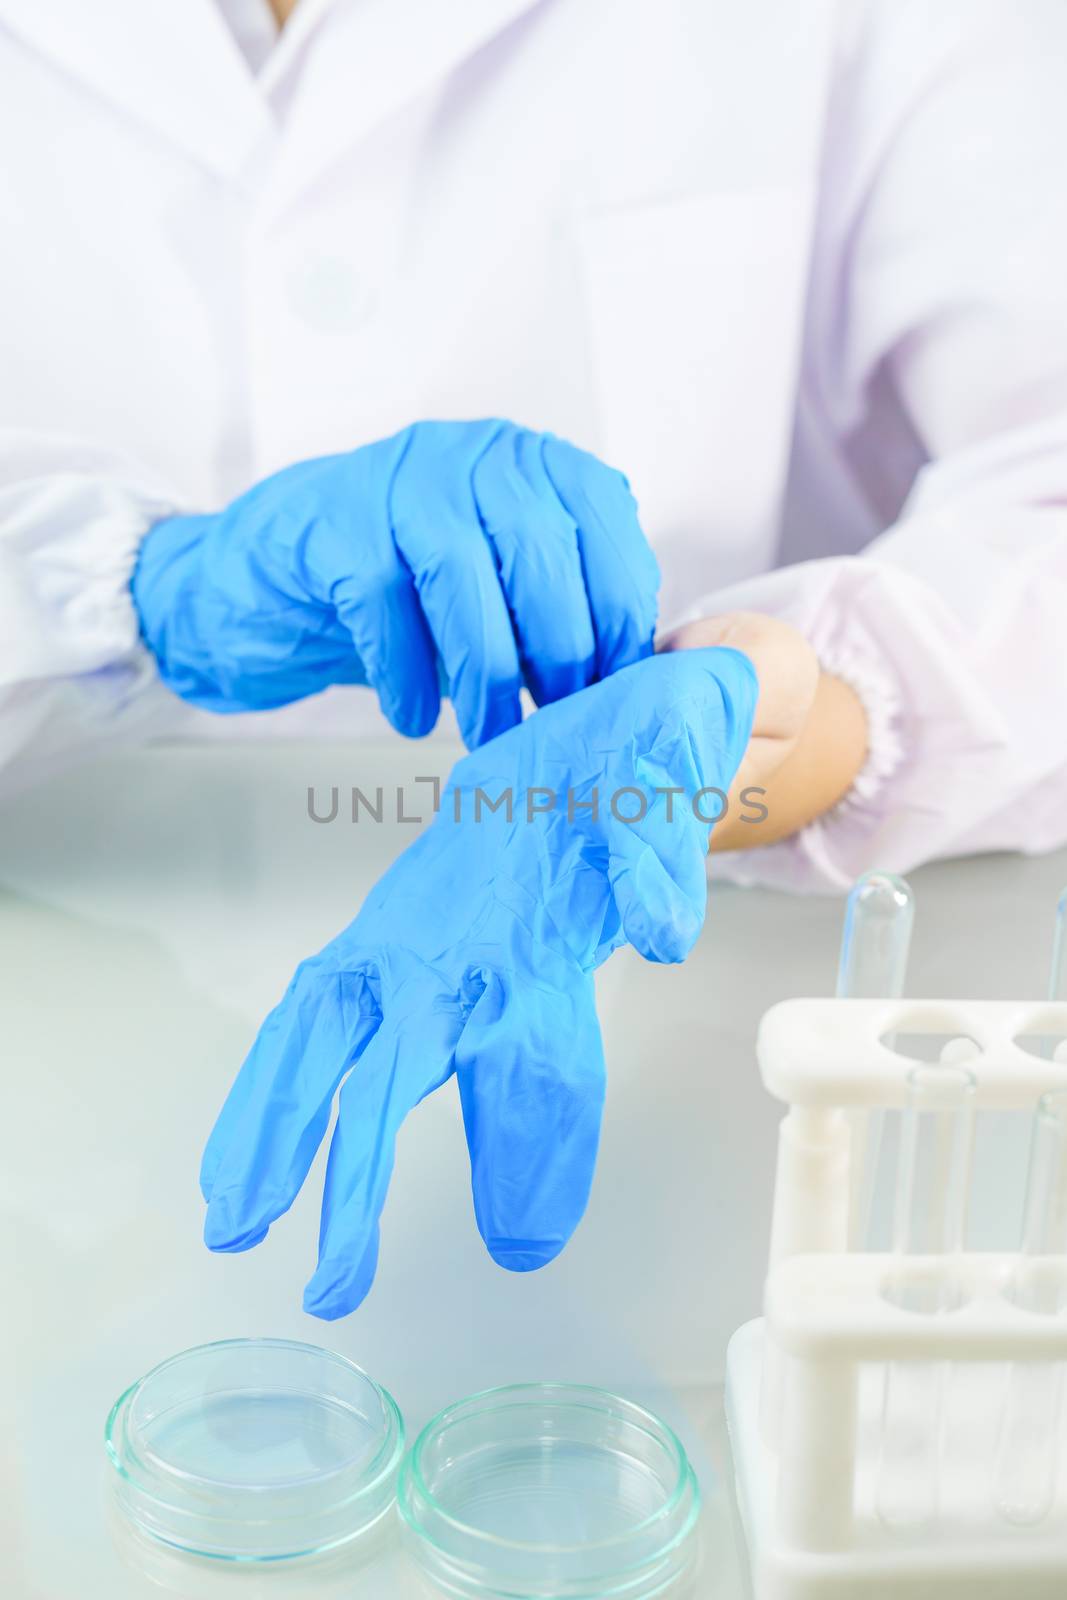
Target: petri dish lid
(255, 1450)
(549, 1489)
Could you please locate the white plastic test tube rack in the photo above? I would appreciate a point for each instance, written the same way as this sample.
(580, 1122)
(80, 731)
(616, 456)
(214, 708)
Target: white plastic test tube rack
(899, 1418)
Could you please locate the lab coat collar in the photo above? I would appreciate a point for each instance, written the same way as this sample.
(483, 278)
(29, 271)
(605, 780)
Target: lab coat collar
(362, 60)
(174, 65)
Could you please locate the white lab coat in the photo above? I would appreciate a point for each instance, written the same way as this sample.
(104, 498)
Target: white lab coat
(799, 270)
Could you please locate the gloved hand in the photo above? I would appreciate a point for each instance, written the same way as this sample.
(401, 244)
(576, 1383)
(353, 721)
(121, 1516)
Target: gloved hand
(509, 556)
(475, 954)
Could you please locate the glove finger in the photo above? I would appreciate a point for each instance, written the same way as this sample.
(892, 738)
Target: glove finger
(621, 574)
(381, 612)
(405, 1061)
(690, 735)
(661, 910)
(278, 1110)
(536, 543)
(530, 1067)
(439, 533)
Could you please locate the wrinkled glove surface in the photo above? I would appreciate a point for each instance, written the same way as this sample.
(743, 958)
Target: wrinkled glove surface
(475, 955)
(474, 553)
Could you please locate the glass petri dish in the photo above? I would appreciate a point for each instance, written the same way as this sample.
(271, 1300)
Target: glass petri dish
(549, 1489)
(256, 1450)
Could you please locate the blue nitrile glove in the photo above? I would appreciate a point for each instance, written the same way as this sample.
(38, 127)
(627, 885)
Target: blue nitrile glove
(475, 954)
(510, 556)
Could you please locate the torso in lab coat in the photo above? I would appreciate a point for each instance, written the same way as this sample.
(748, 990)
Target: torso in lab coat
(592, 217)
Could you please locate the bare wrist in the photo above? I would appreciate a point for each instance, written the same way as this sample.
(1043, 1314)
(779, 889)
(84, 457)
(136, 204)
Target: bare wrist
(808, 735)
(785, 663)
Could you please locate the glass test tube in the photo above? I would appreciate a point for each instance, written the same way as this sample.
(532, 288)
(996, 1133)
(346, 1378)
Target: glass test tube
(872, 963)
(875, 937)
(933, 1179)
(1029, 1445)
(1057, 978)
(1045, 1216)
(1057, 982)
(874, 959)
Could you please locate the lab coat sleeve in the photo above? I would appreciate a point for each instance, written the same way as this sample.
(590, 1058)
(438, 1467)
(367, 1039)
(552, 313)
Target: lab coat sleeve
(73, 671)
(940, 280)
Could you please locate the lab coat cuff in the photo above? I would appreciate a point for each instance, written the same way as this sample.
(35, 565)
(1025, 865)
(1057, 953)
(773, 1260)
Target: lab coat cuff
(72, 520)
(875, 688)
(90, 593)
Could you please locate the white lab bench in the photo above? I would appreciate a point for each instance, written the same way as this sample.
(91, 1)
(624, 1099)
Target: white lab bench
(152, 908)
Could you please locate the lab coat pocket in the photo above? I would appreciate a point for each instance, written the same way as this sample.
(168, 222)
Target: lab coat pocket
(695, 309)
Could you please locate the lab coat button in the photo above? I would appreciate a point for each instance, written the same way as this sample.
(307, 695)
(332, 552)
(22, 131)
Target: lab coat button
(327, 295)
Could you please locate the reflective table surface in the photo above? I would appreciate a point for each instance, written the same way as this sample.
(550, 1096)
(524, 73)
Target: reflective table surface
(152, 908)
